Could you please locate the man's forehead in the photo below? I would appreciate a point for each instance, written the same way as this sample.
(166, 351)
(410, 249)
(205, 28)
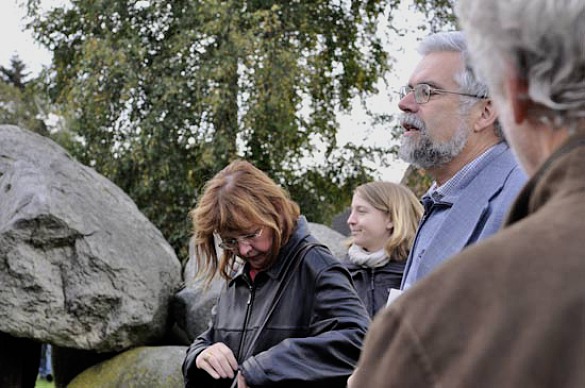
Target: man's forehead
(437, 69)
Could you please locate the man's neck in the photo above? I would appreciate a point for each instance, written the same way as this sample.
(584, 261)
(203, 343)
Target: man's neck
(447, 171)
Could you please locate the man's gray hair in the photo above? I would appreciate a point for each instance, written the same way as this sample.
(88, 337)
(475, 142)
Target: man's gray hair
(454, 41)
(544, 40)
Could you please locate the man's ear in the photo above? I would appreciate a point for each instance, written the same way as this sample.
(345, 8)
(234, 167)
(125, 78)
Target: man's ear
(487, 117)
(516, 89)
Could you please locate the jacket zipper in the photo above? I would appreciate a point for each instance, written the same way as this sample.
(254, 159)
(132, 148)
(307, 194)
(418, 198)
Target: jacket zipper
(246, 319)
(372, 292)
(418, 229)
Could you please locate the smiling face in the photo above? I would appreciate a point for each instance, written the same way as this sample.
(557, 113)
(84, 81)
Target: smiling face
(434, 132)
(370, 227)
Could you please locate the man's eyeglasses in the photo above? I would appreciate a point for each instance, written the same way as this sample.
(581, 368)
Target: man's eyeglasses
(424, 92)
(231, 243)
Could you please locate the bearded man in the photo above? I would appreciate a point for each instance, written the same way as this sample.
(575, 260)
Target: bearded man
(451, 130)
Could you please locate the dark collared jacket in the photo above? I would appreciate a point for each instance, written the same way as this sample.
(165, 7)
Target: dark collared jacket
(373, 284)
(312, 339)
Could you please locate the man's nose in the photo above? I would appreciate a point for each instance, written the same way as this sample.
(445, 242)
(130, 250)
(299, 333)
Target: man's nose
(408, 103)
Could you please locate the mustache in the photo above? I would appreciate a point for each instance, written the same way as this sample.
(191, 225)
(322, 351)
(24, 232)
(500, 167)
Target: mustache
(413, 121)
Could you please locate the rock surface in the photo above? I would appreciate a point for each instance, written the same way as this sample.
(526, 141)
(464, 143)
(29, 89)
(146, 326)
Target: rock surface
(80, 265)
(333, 239)
(153, 366)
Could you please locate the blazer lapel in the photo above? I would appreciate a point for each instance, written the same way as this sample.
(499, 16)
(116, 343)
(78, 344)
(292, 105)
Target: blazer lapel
(468, 214)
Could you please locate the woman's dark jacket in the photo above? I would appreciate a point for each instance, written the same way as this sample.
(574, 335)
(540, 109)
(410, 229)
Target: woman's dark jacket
(373, 284)
(314, 335)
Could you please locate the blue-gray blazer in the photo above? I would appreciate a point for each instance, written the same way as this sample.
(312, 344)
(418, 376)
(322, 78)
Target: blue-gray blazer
(477, 213)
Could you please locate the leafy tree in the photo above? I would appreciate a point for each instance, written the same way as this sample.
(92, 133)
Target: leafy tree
(166, 93)
(15, 74)
(417, 180)
(24, 102)
(440, 14)
(20, 104)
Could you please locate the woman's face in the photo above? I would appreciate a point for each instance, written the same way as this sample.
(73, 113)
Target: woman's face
(370, 227)
(254, 246)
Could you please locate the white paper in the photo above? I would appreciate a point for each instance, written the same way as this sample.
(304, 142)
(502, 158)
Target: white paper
(394, 293)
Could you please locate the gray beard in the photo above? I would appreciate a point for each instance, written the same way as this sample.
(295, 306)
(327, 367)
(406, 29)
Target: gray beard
(427, 153)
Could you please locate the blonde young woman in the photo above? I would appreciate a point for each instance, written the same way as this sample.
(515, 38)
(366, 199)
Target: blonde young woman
(383, 221)
(289, 317)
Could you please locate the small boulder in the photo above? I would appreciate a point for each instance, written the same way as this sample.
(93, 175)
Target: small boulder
(146, 366)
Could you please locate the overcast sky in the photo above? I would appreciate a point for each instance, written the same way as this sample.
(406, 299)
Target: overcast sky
(15, 41)
(353, 127)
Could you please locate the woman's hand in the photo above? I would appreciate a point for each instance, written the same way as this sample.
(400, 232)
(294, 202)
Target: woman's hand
(241, 381)
(219, 361)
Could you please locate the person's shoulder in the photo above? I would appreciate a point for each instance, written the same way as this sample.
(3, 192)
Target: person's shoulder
(319, 257)
(517, 174)
(513, 183)
(477, 265)
(454, 289)
(347, 262)
(508, 175)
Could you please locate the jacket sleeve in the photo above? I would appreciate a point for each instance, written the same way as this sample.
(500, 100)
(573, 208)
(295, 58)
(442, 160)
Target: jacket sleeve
(331, 349)
(191, 374)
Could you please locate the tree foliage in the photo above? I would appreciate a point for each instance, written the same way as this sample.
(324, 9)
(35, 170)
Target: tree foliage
(165, 93)
(438, 13)
(20, 104)
(15, 74)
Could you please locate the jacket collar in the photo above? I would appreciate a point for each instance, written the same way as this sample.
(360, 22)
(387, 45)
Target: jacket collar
(288, 250)
(549, 179)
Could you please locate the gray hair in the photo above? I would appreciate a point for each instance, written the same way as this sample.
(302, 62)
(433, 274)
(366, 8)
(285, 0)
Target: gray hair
(454, 41)
(544, 40)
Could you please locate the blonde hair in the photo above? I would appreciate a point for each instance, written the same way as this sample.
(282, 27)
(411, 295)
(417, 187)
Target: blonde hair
(404, 209)
(236, 199)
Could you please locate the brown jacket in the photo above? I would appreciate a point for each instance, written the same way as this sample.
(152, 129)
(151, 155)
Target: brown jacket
(507, 312)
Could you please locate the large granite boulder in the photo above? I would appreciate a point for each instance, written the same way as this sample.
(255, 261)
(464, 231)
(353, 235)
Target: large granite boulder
(80, 266)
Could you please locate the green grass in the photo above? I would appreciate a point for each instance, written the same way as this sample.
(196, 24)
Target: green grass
(44, 384)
